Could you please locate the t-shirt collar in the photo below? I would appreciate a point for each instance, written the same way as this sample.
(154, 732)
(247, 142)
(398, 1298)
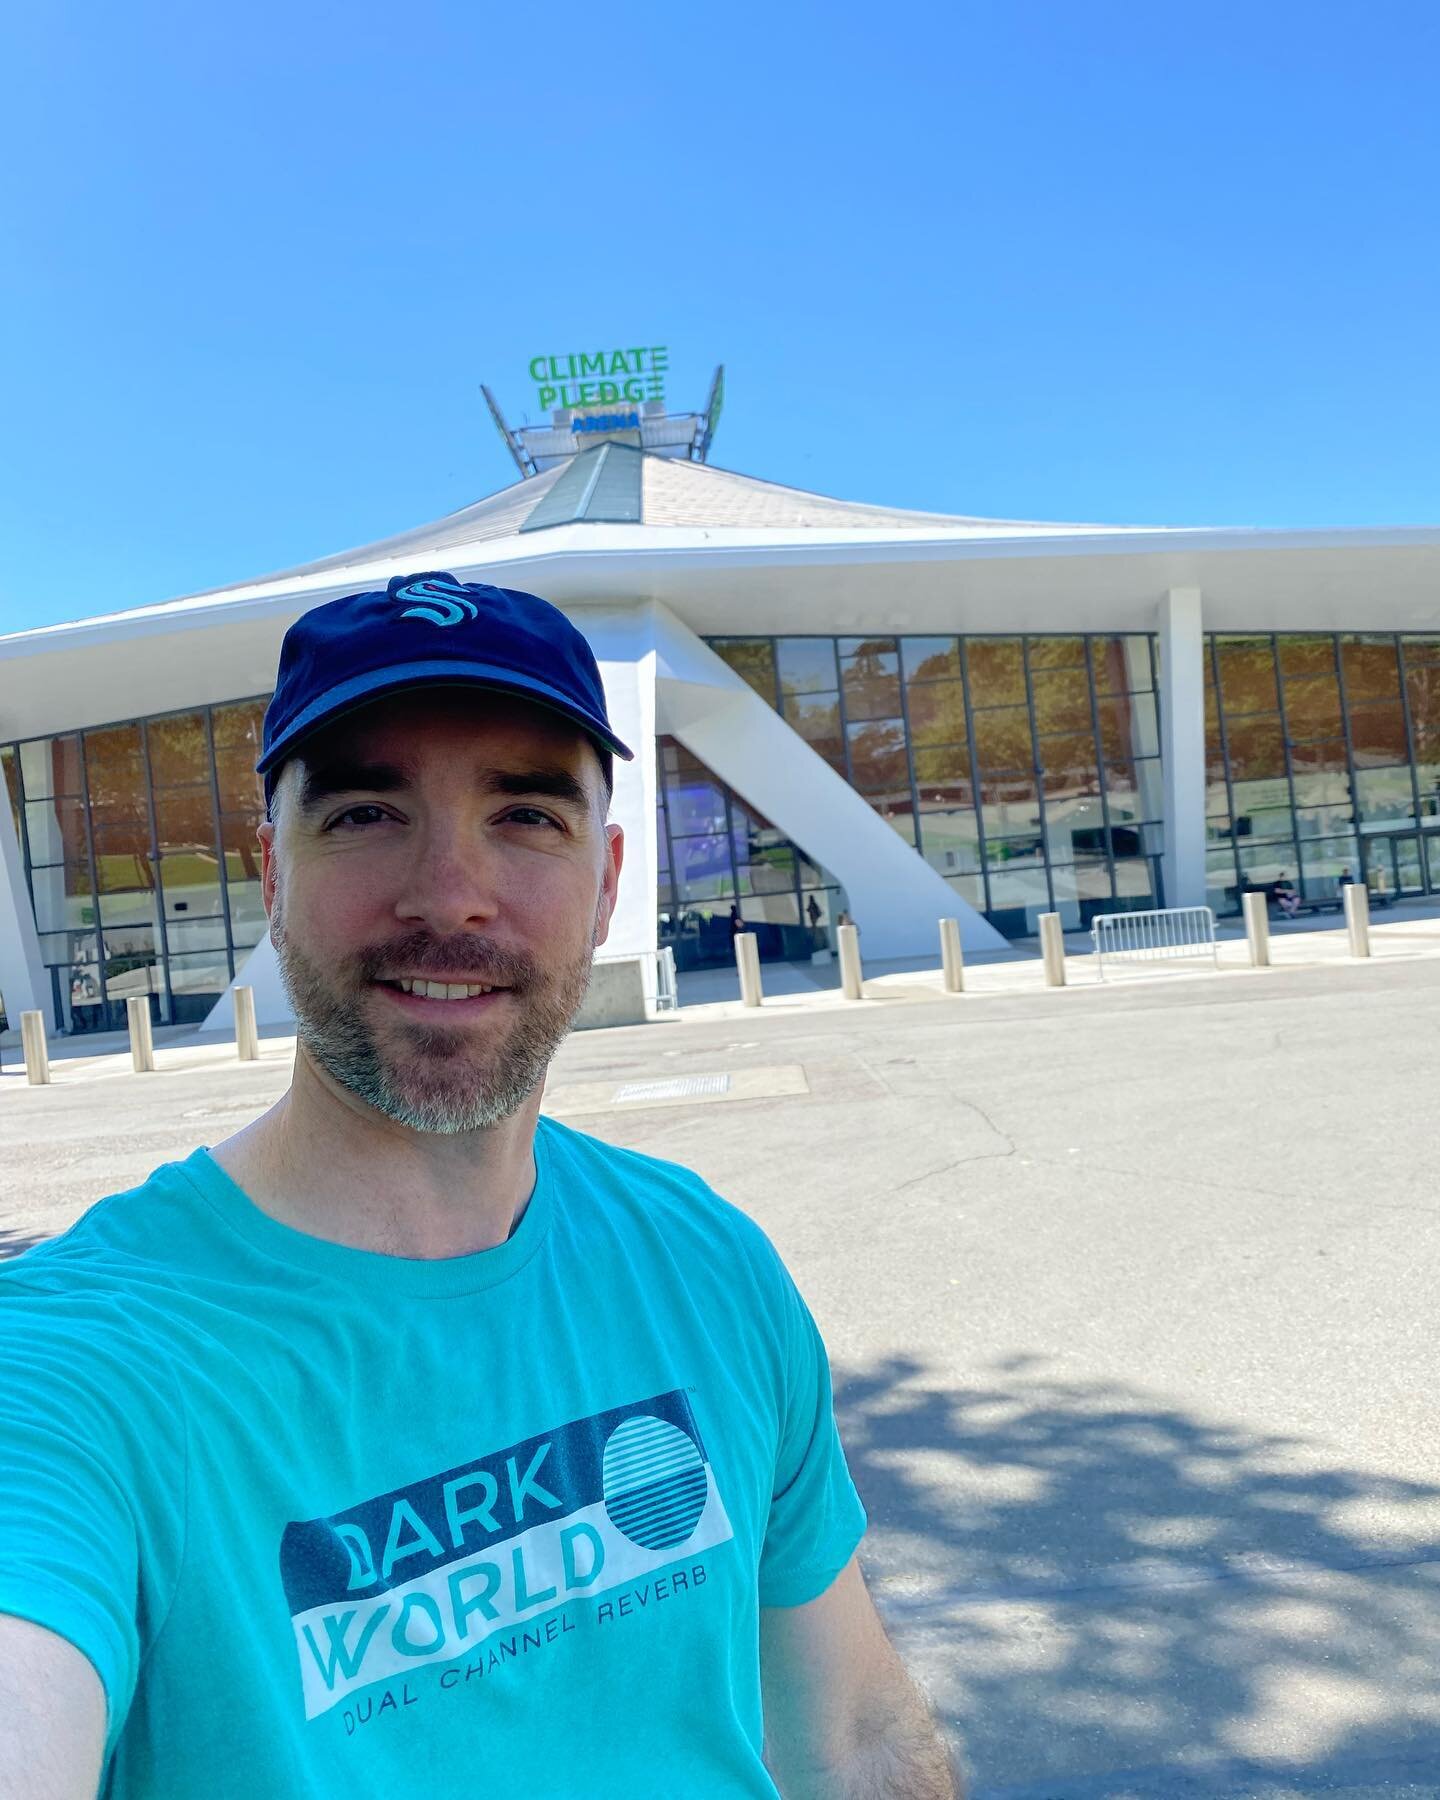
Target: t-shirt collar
(372, 1268)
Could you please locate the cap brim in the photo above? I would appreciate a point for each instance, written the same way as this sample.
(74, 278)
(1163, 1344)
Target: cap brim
(347, 696)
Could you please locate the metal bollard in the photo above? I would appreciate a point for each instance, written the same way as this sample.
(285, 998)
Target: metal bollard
(1257, 930)
(247, 1036)
(747, 961)
(952, 958)
(852, 979)
(1052, 948)
(1357, 917)
(37, 1057)
(142, 1047)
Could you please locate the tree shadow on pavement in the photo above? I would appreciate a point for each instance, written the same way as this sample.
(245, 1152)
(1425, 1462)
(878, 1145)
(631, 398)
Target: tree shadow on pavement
(12, 1242)
(1110, 1597)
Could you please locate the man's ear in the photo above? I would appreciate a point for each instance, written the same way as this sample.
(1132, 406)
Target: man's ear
(610, 882)
(268, 871)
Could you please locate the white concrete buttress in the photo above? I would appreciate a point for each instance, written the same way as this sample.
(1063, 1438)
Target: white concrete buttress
(1182, 714)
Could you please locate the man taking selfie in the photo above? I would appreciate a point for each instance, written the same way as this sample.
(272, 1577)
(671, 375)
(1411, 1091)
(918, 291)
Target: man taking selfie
(407, 1442)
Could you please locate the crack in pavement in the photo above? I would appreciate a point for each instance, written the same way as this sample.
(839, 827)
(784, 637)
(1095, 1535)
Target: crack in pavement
(956, 1162)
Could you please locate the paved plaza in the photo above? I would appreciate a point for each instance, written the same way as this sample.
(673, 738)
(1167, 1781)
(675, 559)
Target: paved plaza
(1130, 1294)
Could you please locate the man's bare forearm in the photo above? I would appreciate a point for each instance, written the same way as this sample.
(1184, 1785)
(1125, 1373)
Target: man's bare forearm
(903, 1766)
(901, 1756)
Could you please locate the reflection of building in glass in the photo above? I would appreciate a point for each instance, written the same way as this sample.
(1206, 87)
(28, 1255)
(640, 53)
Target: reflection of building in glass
(906, 715)
(724, 867)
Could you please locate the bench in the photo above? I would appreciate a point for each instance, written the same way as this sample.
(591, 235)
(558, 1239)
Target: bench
(1332, 903)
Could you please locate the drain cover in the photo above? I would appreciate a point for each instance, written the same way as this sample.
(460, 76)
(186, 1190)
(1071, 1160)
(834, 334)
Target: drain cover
(679, 1087)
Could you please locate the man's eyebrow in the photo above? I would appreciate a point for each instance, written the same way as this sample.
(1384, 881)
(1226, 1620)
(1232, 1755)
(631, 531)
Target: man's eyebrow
(556, 784)
(328, 779)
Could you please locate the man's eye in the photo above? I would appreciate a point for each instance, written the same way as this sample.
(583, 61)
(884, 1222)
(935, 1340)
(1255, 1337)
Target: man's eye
(531, 815)
(358, 816)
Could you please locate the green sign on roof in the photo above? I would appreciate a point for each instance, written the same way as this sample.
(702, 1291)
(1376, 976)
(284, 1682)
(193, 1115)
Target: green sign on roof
(600, 377)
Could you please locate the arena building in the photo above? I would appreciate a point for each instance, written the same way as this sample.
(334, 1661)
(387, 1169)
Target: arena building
(837, 706)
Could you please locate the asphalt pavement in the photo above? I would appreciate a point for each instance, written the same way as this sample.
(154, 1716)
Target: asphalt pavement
(1130, 1300)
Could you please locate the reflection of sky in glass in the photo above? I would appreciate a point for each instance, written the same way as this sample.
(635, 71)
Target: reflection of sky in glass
(695, 806)
(806, 665)
(749, 865)
(702, 866)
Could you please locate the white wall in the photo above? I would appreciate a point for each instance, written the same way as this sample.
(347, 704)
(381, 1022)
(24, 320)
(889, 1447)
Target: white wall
(1182, 719)
(622, 639)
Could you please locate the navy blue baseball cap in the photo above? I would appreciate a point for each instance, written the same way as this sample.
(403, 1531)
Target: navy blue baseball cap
(429, 629)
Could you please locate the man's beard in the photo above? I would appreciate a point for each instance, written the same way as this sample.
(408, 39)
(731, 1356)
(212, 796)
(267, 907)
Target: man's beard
(433, 1077)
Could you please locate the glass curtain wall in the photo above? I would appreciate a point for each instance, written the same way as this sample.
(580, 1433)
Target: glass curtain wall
(1322, 763)
(724, 867)
(1026, 770)
(139, 847)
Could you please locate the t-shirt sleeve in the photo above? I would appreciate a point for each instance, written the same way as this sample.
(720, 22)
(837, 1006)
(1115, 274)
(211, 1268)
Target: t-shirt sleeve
(70, 1545)
(816, 1517)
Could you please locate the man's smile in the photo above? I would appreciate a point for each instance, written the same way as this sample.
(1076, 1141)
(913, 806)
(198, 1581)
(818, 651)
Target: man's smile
(438, 987)
(429, 999)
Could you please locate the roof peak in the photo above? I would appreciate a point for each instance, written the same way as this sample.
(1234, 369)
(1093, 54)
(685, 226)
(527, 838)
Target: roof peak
(612, 483)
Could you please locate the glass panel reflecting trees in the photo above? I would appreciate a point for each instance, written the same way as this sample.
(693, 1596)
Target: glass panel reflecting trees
(139, 844)
(1322, 762)
(1026, 770)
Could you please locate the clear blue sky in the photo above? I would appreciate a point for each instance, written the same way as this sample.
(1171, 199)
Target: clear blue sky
(1145, 263)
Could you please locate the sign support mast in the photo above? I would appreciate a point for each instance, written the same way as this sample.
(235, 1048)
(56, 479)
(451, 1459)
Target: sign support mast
(523, 459)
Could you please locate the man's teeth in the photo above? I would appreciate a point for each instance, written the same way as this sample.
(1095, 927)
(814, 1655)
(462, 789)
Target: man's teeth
(444, 990)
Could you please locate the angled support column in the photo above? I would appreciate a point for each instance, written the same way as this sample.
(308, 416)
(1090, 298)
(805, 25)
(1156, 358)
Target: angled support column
(893, 893)
(1182, 713)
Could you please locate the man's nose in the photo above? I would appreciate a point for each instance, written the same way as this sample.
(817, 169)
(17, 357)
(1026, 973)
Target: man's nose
(450, 882)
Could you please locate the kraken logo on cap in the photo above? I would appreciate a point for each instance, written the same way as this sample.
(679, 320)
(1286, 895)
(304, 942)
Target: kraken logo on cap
(439, 602)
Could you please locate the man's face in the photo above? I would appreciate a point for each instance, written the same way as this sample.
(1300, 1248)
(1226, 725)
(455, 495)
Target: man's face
(451, 837)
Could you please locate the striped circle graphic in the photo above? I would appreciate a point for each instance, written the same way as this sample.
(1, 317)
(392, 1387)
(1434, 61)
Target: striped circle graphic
(655, 1482)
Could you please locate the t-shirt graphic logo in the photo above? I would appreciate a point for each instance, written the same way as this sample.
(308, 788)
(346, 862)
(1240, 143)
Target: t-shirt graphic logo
(426, 1573)
(655, 1482)
(441, 602)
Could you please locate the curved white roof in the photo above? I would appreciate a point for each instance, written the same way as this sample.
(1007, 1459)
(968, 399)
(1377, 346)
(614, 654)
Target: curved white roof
(656, 491)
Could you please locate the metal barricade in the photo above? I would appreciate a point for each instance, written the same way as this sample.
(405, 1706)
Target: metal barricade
(662, 990)
(1159, 936)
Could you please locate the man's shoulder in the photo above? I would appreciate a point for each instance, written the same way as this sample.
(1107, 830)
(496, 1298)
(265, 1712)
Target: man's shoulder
(655, 1190)
(86, 1348)
(124, 1237)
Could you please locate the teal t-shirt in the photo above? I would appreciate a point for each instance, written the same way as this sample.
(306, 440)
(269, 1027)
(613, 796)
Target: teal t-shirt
(329, 1522)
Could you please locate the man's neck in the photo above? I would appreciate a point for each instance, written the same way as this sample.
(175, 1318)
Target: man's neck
(325, 1163)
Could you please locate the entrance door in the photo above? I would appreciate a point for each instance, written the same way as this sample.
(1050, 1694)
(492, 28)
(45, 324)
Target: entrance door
(1409, 869)
(1393, 864)
(1431, 841)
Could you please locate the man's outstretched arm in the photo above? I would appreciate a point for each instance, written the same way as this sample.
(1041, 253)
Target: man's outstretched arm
(843, 1720)
(52, 1716)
